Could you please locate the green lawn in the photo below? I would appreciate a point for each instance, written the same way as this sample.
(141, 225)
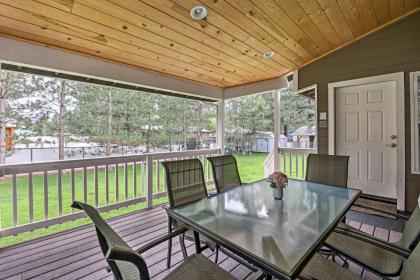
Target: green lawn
(250, 169)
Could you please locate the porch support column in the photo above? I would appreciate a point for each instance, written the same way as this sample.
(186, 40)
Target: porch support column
(220, 132)
(276, 155)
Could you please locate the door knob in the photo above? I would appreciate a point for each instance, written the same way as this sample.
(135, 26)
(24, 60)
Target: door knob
(393, 145)
(393, 136)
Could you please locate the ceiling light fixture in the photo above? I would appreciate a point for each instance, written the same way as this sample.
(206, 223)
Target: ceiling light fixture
(268, 54)
(198, 12)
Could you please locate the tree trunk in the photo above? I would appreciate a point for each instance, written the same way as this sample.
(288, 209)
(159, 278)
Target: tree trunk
(108, 142)
(3, 95)
(61, 121)
(149, 135)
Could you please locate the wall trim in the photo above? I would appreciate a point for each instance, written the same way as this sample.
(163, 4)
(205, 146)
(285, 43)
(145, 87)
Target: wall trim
(413, 109)
(399, 79)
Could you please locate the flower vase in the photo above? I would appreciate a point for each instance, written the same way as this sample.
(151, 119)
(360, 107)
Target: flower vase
(278, 193)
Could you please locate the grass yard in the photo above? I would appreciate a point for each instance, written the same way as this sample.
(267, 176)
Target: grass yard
(250, 169)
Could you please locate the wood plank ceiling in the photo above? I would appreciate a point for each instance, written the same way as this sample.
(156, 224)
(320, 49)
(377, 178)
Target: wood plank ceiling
(225, 49)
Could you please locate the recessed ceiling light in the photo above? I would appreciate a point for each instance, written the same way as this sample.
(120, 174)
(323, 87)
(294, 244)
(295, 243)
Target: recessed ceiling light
(268, 54)
(198, 12)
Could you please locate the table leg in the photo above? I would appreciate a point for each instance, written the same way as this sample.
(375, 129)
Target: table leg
(197, 242)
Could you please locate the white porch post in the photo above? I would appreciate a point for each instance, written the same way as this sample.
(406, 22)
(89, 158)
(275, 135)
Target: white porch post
(220, 132)
(276, 155)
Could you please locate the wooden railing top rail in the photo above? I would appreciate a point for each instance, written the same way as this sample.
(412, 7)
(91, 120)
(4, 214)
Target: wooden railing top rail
(297, 150)
(24, 168)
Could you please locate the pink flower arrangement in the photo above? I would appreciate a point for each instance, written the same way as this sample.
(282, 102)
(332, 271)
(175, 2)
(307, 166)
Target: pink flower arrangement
(278, 180)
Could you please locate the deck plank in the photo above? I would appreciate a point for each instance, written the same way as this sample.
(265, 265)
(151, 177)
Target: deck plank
(75, 254)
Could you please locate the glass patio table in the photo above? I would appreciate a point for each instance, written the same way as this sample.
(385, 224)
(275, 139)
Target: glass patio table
(278, 236)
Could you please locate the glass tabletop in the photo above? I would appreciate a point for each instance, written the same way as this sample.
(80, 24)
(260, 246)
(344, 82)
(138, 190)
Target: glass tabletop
(280, 234)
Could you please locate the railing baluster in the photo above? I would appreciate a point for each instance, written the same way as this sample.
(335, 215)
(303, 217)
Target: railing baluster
(116, 184)
(126, 180)
(290, 164)
(96, 187)
(73, 187)
(297, 165)
(106, 184)
(143, 177)
(60, 192)
(303, 166)
(284, 163)
(85, 188)
(164, 181)
(31, 198)
(149, 191)
(14, 199)
(157, 176)
(134, 179)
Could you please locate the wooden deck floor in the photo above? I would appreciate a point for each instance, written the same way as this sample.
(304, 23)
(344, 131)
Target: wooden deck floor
(75, 254)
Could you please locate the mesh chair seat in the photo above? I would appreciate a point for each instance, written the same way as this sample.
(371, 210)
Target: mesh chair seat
(381, 260)
(225, 172)
(198, 267)
(320, 267)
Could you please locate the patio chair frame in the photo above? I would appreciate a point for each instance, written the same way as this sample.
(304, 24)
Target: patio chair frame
(113, 254)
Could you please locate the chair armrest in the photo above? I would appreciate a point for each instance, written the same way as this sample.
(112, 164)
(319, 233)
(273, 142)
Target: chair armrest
(161, 239)
(376, 242)
(382, 211)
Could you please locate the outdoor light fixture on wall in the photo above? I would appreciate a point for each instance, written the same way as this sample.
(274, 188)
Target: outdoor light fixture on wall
(198, 12)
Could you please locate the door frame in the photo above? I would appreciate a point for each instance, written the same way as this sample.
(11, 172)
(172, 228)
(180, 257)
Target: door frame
(399, 79)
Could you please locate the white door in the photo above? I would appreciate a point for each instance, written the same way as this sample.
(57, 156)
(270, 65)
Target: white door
(366, 130)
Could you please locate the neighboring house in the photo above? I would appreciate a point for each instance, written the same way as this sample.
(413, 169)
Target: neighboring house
(206, 135)
(304, 136)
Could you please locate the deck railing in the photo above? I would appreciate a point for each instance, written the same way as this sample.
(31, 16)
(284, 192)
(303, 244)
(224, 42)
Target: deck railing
(37, 195)
(293, 162)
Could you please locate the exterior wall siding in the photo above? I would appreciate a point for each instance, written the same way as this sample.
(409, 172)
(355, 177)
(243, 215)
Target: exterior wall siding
(395, 48)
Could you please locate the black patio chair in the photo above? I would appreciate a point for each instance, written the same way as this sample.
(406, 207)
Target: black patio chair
(225, 172)
(128, 264)
(327, 169)
(380, 257)
(185, 184)
(320, 267)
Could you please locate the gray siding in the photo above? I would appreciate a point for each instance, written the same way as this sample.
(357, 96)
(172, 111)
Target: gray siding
(393, 49)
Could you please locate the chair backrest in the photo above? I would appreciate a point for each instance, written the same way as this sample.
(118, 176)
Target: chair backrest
(225, 172)
(184, 181)
(411, 269)
(327, 169)
(411, 234)
(123, 261)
